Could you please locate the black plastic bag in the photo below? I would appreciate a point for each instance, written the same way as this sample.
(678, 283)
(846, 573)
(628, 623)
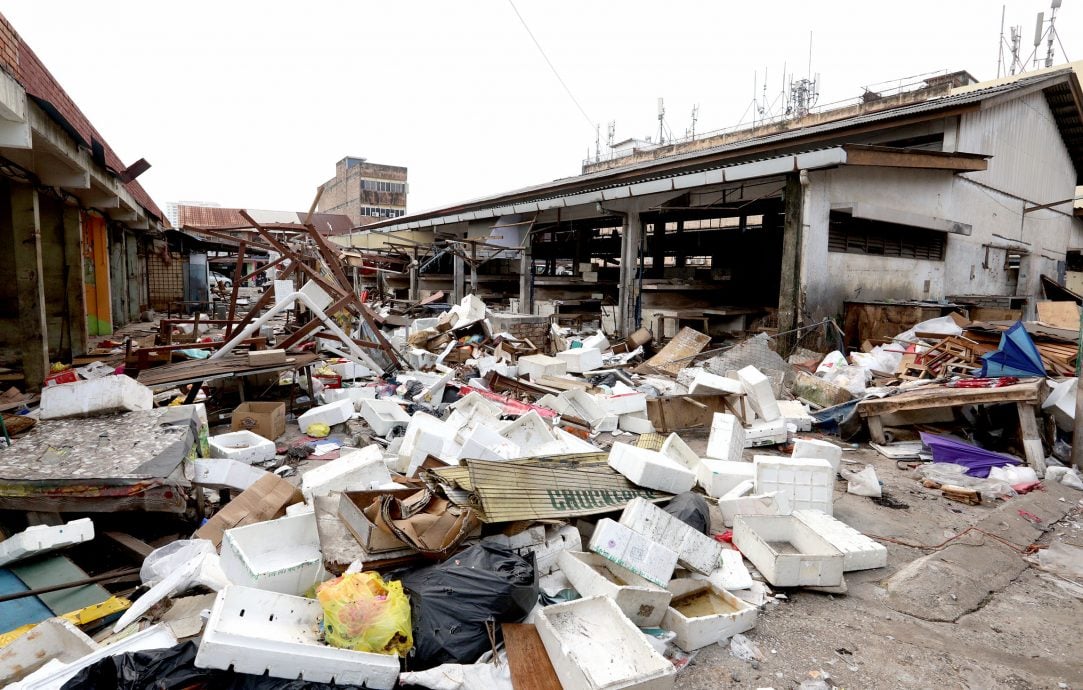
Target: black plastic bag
(172, 668)
(691, 509)
(452, 602)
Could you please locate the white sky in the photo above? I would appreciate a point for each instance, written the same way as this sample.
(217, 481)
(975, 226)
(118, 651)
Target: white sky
(250, 103)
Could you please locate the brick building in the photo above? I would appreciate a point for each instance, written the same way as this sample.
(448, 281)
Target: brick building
(366, 192)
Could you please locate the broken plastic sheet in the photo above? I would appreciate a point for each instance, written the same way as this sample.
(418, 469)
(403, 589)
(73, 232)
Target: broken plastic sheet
(953, 450)
(486, 674)
(956, 475)
(691, 509)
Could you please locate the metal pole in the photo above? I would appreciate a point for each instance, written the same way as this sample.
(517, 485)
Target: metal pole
(1077, 431)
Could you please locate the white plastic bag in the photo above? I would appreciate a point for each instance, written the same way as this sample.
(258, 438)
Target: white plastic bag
(173, 569)
(1069, 476)
(1014, 474)
(849, 377)
(830, 361)
(744, 648)
(863, 483)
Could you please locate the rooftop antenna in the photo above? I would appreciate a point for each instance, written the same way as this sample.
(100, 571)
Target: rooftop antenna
(611, 134)
(695, 118)
(597, 142)
(661, 124)
(1053, 7)
(1038, 33)
(1000, 45)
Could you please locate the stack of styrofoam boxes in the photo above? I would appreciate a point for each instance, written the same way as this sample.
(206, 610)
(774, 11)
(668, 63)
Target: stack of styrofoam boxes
(723, 468)
(41, 538)
(255, 631)
(770, 429)
(630, 407)
(425, 435)
(814, 448)
(632, 551)
(581, 359)
(280, 555)
(858, 551)
(806, 482)
(536, 366)
(383, 416)
(354, 470)
(243, 446)
(695, 550)
(695, 628)
(642, 602)
(787, 551)
(592, 644)
(330, 414)
(650, 469)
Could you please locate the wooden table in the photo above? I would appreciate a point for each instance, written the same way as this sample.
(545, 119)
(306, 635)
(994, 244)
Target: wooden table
(1026, 395)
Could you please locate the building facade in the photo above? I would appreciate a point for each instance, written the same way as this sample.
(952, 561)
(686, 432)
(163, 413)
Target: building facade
(365, 192)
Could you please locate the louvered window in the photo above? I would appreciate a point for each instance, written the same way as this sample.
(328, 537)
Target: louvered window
(850, 235)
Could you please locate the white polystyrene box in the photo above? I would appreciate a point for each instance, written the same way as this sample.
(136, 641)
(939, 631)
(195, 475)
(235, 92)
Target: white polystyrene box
(354, 470)
(806, 482)
(1061, 404)
(256, 631)
(485, 443)
(718, 477)
(702, 614)
(727, 439)
(706, 382)
(650, 469)
(695, 550)
(38, 539)
(412, 441)
(774, 503)
(54, 674)
(593, 646)
(280, 555)
(223, 472)
(579, 403)
(537, 366)
(558, 539)
(608, 423)
(814, 448)
(528, 431)
(355, 394)
(625, 403)
(633, 551)
(762, 433)
(794, 412)
(643, 602)
(787, 551)
(95, 396)
(54, 638)
(383, 416)
(758, 392)
(636, 423)
(243, 446)
(677, 450)
(581, 359)
(597, 341)
(329, 414)
(858, 551)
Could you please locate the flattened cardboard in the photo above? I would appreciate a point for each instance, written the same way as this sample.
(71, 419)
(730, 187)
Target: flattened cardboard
(264, 500)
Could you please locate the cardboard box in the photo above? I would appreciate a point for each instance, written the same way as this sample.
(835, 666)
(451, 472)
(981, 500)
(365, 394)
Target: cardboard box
(268, 419)
(351, 510)
(264, 500)
(266, 358)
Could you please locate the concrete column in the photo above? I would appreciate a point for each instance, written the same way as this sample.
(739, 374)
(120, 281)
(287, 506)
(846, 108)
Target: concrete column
(26, 223)
(458, 269)
(789, 294)
(415, 279)
(76, 287)
(681, 253)
(526, 277)
(658, 248)
(630, 239)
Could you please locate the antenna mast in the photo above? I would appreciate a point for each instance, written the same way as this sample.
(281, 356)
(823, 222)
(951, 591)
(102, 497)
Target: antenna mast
(661, 123)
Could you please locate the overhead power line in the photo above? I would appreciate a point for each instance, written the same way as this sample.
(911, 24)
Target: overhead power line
(551, 66)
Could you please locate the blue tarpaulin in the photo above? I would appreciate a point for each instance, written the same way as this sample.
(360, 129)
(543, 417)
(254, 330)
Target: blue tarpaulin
(1016, 356)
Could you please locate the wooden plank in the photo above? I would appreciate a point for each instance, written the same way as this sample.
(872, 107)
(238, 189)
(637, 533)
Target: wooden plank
(531, 668)
(1032, 441)
(939, 396)
(677, 354)
(137, 547)
(1059, 314)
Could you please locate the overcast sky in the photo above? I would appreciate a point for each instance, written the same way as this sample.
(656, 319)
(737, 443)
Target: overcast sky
(250, 104)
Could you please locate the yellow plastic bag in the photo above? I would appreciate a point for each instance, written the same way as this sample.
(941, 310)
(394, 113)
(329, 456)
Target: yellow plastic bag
(318, 430)
(363, 613)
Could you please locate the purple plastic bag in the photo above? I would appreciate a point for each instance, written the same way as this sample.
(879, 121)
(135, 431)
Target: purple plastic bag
(978, 460)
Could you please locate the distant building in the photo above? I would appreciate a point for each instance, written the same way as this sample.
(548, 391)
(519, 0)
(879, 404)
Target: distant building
(366, 192)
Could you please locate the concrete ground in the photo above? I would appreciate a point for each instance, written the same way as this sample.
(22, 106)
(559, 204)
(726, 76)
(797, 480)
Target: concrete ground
(973, 614)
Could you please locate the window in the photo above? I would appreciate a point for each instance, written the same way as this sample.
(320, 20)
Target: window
(849, 235)
(383, 186)
(377, 212)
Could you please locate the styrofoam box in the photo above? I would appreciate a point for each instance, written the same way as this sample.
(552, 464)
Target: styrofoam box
(765, 433)
(329, 414)
(280, 555)
(787, 551)
(633, 551)
(695, 550)
(1061, 404)
(579, 403)
(255, 631)
(355, 394)
(54, 638)
(706, 382)
(581, 359)
(758, 392)
(650, 469)
(625, 403)
(485, 443)
(223, 472)
(531, 536)
(38, 539)
(718, 477)
(814, 448)
(608, 423)
(355, 470)
(858, 551)
(597, 341)
(773, 503)
(350, 371)
(636, 423)
(95, 396)
(54, 674)
(537, 366)
(411, 446)
(593, 646)
(383, 415)
(677, 450)
(243, 446)
(592, 575)
(558, 539)
(794, 412)
(529, 431)
(702, 614)
(727, 439)
(806, 482)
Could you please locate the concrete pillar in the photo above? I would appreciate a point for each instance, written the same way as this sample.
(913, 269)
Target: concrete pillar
(26, 224)
(526, 277)
(630, 239)
(681, 253)
(415, 279)
(789, 294)
(658, 248)
(76, 287)
(458, 269)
